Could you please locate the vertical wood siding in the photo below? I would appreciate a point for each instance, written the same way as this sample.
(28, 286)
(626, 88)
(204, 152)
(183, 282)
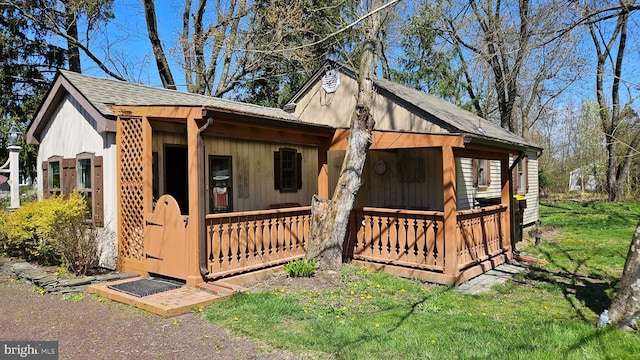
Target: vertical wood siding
(412, 180)
(252, 172)
(335, 109)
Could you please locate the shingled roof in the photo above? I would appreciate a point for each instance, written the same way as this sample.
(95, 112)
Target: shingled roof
(447, 115)
(101, 92)
(97, 94)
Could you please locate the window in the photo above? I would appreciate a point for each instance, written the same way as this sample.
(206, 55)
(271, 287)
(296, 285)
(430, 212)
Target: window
(54, 177)
(481, 173)
(520, 176)
(220, 184)
(84, 167)
(82, 173)
(287, 166)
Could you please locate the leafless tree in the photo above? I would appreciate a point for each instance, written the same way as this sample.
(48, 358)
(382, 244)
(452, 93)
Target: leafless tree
(516, 45)
(617, 118)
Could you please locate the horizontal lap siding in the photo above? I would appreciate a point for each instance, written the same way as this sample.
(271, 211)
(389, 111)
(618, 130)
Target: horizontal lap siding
(531, 212)
(466, 192)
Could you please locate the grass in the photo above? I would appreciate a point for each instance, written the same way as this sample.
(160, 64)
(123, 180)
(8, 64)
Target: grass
(595, 236)
(549, 313)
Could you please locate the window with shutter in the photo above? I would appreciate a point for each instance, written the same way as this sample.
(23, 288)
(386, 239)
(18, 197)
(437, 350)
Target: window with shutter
(481, 170)
(83, 174)
(287, 168)
(520, 176)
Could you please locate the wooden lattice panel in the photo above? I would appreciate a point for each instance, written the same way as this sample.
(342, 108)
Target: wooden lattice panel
(131, 194)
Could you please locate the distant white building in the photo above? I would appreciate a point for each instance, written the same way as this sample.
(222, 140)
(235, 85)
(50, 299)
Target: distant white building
(583, 178)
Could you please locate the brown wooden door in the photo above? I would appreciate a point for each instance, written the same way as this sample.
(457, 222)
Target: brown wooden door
(165, 240)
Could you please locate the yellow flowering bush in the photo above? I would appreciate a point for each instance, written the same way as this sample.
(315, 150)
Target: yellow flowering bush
(31, 231)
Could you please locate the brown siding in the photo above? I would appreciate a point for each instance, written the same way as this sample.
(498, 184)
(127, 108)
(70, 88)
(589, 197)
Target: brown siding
(253, 169)
(398, 187)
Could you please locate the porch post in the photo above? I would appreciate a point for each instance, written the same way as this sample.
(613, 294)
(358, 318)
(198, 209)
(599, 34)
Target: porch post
(450, 213)
(323, 171)
(506, 196)
(194, 180)
(147, 166)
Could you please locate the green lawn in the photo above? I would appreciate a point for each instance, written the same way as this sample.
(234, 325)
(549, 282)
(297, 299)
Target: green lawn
(549, 313)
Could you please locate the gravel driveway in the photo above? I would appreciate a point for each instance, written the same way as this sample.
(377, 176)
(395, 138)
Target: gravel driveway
(96, 328)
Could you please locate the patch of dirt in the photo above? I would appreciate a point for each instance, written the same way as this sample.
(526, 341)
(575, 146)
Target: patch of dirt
(91, 327)
(322, 280)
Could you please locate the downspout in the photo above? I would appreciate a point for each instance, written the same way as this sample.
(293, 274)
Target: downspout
(202, 237)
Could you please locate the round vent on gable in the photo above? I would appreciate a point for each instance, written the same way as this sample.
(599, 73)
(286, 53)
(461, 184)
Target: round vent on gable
(331, 81)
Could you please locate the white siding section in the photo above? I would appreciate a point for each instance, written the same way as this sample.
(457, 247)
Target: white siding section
(69, 132)
(531, 214)
(466, 192)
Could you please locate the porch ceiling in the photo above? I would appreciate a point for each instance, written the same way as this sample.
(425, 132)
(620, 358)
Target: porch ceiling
(268, 132)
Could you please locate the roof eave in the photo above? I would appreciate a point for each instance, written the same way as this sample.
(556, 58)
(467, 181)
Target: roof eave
(210, 111)
(60, 87)
(499, 143)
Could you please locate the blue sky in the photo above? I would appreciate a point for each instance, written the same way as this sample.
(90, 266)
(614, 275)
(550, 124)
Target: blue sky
(128, 33)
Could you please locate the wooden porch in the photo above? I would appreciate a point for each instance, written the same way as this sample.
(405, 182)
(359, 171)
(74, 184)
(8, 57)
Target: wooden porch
(446, 246)
(403, 242)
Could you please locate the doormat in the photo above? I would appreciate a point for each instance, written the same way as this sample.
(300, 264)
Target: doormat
(146, 287)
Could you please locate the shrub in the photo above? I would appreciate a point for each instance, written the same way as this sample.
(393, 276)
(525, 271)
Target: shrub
(76, 243)
(300, 268)
(31, 231)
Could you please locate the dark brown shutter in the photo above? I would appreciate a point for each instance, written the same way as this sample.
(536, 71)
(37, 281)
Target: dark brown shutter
(525, 172)
(98, 196)
(45, 180)
(68, 176)
(299, 170)
(487, 171)
(514, 176)
(276, 170)
(474, 171)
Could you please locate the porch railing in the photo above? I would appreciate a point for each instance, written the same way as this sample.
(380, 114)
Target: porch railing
(244, 241)
(399, 237)
(482, 234)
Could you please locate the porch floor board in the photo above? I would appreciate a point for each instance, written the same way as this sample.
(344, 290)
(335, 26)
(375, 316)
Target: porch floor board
(169, 303)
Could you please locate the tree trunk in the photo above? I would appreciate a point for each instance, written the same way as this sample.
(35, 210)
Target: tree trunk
(610, 115)
(625, 308)
(161, 60)
(73, 52)
(330, 218)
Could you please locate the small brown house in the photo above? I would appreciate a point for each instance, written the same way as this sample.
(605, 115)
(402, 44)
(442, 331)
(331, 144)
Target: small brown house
(200, 188)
